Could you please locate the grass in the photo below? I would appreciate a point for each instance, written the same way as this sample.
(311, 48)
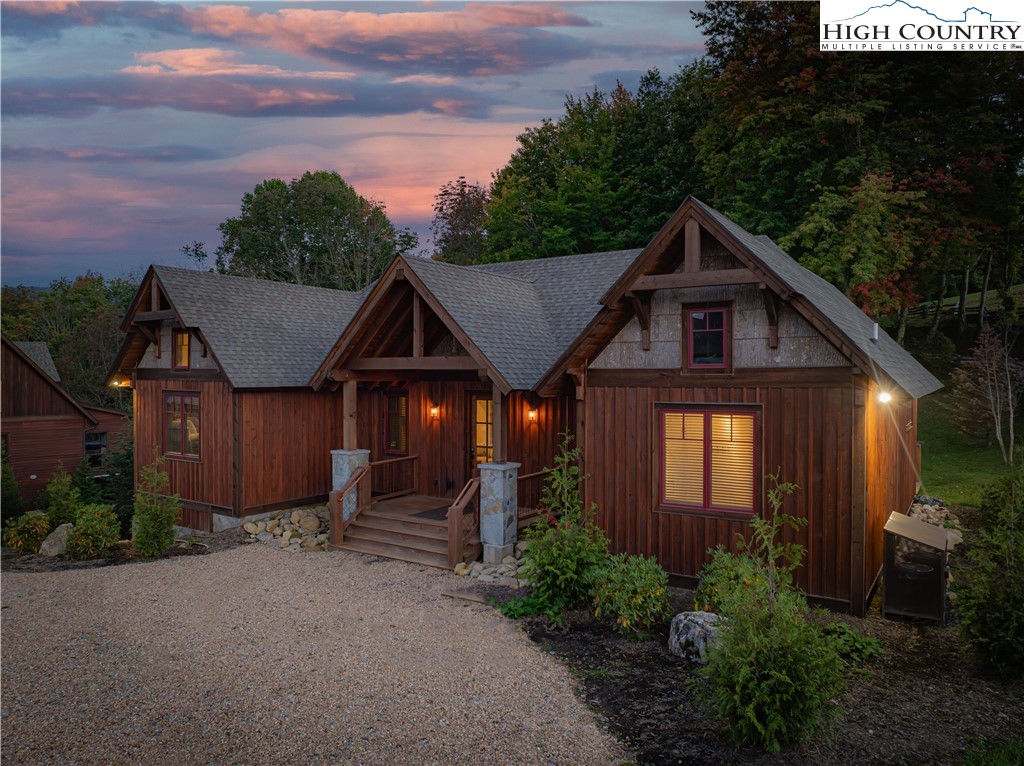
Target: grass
(1009, 753)
(952, 469)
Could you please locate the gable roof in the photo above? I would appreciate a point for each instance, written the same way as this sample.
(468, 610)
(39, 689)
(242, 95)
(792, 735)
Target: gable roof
(39, 352)
(17, 349)
(263, 334)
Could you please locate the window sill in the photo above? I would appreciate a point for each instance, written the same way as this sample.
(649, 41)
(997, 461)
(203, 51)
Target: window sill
(706, 513)
(182, 458)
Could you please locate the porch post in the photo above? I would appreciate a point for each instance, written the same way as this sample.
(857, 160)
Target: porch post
(344, 463)
(499, 510)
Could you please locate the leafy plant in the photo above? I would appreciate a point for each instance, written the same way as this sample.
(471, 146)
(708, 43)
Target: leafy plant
(720, 576)
(990, 590)
(27, 532)
(86, 484)
(771, 672)
(12, 504)
(523, 606)
(850, 644)
(985, 753)
(62, 499)
(562, 492)
(631, 591)
(96, 531)
(155, 513)
(119, 486)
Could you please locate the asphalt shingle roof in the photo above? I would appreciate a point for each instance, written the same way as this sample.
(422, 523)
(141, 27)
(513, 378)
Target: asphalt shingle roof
(264, 334)
(39, 352)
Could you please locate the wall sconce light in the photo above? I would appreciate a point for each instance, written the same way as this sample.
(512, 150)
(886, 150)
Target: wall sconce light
(885, 397)
(531, 416)
(435, 412)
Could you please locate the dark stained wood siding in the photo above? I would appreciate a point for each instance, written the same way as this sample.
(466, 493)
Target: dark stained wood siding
(286, 440)
(26, 393)
(805, 433)
(109, 421)
(208, 480)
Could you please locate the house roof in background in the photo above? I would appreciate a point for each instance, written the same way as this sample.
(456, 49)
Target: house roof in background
(39, 352)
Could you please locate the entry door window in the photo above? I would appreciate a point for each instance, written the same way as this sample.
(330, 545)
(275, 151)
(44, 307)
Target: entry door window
(481, 434)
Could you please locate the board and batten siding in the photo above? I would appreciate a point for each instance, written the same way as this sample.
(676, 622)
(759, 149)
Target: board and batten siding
(208, 480)
(805, 435)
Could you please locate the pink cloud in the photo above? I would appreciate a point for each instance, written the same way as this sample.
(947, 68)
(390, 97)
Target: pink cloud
(206, 62)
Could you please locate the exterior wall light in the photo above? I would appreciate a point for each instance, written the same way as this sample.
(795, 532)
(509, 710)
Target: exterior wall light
(435, 412)
(885, 397)
(531, 416)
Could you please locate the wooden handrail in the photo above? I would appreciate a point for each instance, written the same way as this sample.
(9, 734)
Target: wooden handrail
(393, 460)
(534, 475)
(336, 503)
(456, 538)
(410, 490)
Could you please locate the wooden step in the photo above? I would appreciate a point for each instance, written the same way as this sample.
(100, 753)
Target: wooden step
(360, 531)
(400, 552)
(402, 526)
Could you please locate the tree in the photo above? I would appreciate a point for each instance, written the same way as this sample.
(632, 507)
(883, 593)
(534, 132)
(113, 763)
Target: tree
(315, 230)
(459, 225)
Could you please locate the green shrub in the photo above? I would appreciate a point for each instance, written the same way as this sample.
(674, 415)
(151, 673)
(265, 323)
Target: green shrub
(771, 672)
(96, 531)
(720, 577)
(86, 484)
(850, 644)
(518, 608)
(156, 514)
(990, 587)
(12, 504)
(985, 753)
(26, 533)
(62, 499)
(631, 591)
(118, 488)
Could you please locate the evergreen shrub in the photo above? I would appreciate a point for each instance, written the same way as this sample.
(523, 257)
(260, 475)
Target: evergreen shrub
(62, 499)
(156, 514)
(26, 533)
(632, 592)
(95, 532)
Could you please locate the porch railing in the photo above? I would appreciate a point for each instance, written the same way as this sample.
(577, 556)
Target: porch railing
(394, 477)
(464, 524)
(358, 486)
(529, 490)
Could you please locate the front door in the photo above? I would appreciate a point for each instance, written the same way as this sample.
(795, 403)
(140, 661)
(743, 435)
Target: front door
(481, 431)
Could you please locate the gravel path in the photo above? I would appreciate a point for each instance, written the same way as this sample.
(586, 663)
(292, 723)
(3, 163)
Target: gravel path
(254, 656)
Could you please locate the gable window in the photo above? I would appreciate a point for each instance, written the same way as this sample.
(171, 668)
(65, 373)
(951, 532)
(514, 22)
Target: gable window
(396, 424)
(181, 424)
(708, 458)
(180, 343)
(706, 333)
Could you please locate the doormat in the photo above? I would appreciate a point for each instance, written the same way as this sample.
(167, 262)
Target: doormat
(435, 514)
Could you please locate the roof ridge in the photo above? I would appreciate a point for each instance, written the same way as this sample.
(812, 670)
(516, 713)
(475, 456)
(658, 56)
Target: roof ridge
(251, 280)
(474, 267)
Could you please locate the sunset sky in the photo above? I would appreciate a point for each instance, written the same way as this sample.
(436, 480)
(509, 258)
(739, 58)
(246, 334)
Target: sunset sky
(131, 129)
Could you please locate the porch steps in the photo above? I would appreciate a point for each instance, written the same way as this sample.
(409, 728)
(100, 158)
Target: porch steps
(416, 541)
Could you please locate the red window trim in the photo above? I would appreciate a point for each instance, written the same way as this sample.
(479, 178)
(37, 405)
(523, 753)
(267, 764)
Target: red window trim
(707, 410)
(175, 334)
(387, 422)
(199, 409)
(687, 336)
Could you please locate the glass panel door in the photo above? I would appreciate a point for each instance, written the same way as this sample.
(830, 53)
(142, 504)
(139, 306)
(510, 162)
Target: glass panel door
(481, 430)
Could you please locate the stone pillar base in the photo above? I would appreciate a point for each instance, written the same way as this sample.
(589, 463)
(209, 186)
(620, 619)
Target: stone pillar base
(499, 507)
(344, 463)
(493, 554)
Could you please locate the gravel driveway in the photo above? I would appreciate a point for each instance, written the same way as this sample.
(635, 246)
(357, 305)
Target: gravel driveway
(254, 656)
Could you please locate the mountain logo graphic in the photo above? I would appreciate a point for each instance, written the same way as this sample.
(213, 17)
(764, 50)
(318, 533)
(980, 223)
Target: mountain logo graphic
(903, 5)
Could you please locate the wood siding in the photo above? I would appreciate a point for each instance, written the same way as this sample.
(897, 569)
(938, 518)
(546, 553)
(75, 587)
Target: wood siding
(286, 440)
(206, 481)
(805, 432)
(38, 446)
(26, 393)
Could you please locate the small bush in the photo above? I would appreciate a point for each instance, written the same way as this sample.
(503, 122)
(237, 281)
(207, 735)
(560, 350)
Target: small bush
(118, 488)
(523, 606)
(12, 504)
(850, 644)
(631, 591)
(62, 499)
(96, 530)
(720, 577)
(156, 514)
(560, 562)
(990, 590)
(86, 484)
(26, 533)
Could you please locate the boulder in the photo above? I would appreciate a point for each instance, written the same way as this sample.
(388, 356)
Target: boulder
(56, 542)
(296, 517)
(691, 634)
(309, 523)
(251, 528)
(462, 569)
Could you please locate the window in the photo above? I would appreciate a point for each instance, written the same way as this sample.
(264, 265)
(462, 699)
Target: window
(396, 424)
(180, 342)
(706, 335)
(95, 446)
(181, 424)
(709, 458)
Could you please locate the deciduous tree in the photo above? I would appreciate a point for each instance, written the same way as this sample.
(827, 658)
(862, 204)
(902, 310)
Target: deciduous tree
(460, 222)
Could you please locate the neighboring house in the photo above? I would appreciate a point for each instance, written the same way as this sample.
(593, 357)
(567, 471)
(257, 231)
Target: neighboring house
(43, 426)
(220, 368)
(686, 371)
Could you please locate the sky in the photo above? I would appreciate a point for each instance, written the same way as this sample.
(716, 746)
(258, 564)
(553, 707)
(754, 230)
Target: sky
(128, 130)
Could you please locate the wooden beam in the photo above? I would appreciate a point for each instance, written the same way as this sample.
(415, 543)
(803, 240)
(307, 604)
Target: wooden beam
(414, 363)
(152, 337)
(798, 377)
(153, 316)
(154, 296)
(858, 503)
(499, 445)
(642, 309)
(691, 247)
(350, 416)
(771, 310)
(695, 279)
(417, 325)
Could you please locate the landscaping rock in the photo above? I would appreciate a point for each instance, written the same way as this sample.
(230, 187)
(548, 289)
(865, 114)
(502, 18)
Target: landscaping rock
(293, 530)
(250, 527)
(57, 541)
(691, 634)
(462, 569)
(309, 523)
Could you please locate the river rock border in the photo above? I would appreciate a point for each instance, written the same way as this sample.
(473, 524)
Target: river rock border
(509, 573)
(296, 530)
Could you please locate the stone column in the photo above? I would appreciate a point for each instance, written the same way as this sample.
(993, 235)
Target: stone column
(344, 463)
(499, 510)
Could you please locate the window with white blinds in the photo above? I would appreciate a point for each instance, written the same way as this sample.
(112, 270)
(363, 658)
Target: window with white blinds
(708, 459)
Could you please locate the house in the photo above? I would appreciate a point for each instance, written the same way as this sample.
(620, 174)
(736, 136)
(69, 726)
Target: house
(220, 369)
(43, 426)
(429, 404)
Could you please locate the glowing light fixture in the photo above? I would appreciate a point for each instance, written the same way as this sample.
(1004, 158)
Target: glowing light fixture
(435, 412)
(885, 397)
(531, 415)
